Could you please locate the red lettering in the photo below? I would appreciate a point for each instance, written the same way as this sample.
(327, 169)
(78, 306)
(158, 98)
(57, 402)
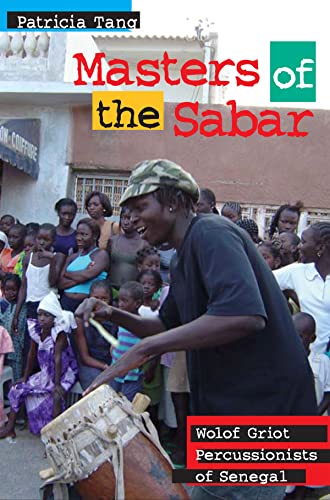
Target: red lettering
(191, 68)
(297, 117)
(184, 119)
(218, 68)
(166, 62)
(148, 72)
(124, 80)
(248, 73)
(275, 123)
(215, 123)
(82, 65)
(235, 116)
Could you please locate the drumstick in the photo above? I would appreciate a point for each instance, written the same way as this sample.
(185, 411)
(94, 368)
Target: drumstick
(105, 334)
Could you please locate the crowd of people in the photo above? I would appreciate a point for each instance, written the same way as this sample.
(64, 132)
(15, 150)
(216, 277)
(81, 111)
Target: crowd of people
(173, 262)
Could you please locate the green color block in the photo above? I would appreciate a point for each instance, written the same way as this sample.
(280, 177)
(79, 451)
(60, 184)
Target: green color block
(292, 71)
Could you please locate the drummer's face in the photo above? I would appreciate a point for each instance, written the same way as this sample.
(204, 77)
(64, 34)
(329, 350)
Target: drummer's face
(153, 221)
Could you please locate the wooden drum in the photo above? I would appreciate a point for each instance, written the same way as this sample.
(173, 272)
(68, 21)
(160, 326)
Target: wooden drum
(108, 451)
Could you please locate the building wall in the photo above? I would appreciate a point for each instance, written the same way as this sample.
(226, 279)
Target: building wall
(23, 197)
(254, 170)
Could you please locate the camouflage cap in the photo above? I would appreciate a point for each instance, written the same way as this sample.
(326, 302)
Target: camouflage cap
(150, 175)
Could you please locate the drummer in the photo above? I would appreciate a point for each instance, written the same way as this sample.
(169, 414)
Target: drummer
(224, 308)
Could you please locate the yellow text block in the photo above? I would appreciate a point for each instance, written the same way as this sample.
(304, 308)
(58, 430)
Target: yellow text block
(128, 110)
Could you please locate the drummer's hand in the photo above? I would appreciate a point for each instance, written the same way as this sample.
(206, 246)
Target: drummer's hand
(93, 308)
(135, 357)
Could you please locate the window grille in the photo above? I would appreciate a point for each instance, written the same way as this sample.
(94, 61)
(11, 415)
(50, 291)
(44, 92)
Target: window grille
(111, 185)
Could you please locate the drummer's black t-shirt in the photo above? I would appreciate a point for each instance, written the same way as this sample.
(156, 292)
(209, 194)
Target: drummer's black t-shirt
(218, 271)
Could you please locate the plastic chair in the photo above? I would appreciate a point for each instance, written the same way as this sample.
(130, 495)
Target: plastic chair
(6, 377)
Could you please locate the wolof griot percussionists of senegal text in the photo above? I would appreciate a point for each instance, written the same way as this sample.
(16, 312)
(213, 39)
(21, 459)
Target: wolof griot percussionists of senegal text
(110, 112)
(256, 450)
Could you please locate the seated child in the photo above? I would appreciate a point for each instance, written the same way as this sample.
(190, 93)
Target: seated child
(44, 392)
(6, 346)
(10, 287)
(130, 298)
(93, 349)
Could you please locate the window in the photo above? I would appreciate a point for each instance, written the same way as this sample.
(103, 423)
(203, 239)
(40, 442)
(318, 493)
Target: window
(111, 185)
(320, 215)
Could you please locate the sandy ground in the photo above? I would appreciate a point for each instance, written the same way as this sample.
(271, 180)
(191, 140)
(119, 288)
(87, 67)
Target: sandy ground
(21, 460)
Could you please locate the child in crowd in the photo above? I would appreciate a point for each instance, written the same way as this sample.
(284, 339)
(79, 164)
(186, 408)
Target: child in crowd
(130, 299)
(232, 211)
(44, 392)
(250, 227)
(6, 222)
(93, 349)
(12, 255)
(29, 242)
(151, 282)
(271, 253)
(320, 363)
(6, 346)
(10, 287)
(288, 247)
(41, 269)
(149, 259)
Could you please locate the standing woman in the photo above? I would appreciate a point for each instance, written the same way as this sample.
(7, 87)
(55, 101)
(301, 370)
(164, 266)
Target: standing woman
(99, 207)
(65, 241)
(285, 219)
(84, 267)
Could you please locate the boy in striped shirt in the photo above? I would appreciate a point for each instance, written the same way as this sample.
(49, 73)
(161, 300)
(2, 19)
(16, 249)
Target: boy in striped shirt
(130, 298)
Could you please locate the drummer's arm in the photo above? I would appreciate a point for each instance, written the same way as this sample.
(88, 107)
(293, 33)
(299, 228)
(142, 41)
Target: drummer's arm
(99, 310)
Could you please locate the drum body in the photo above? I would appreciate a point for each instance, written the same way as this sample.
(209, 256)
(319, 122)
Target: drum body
(101, 445)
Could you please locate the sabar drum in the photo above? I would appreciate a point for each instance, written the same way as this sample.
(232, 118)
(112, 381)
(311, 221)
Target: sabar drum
(108, 451)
